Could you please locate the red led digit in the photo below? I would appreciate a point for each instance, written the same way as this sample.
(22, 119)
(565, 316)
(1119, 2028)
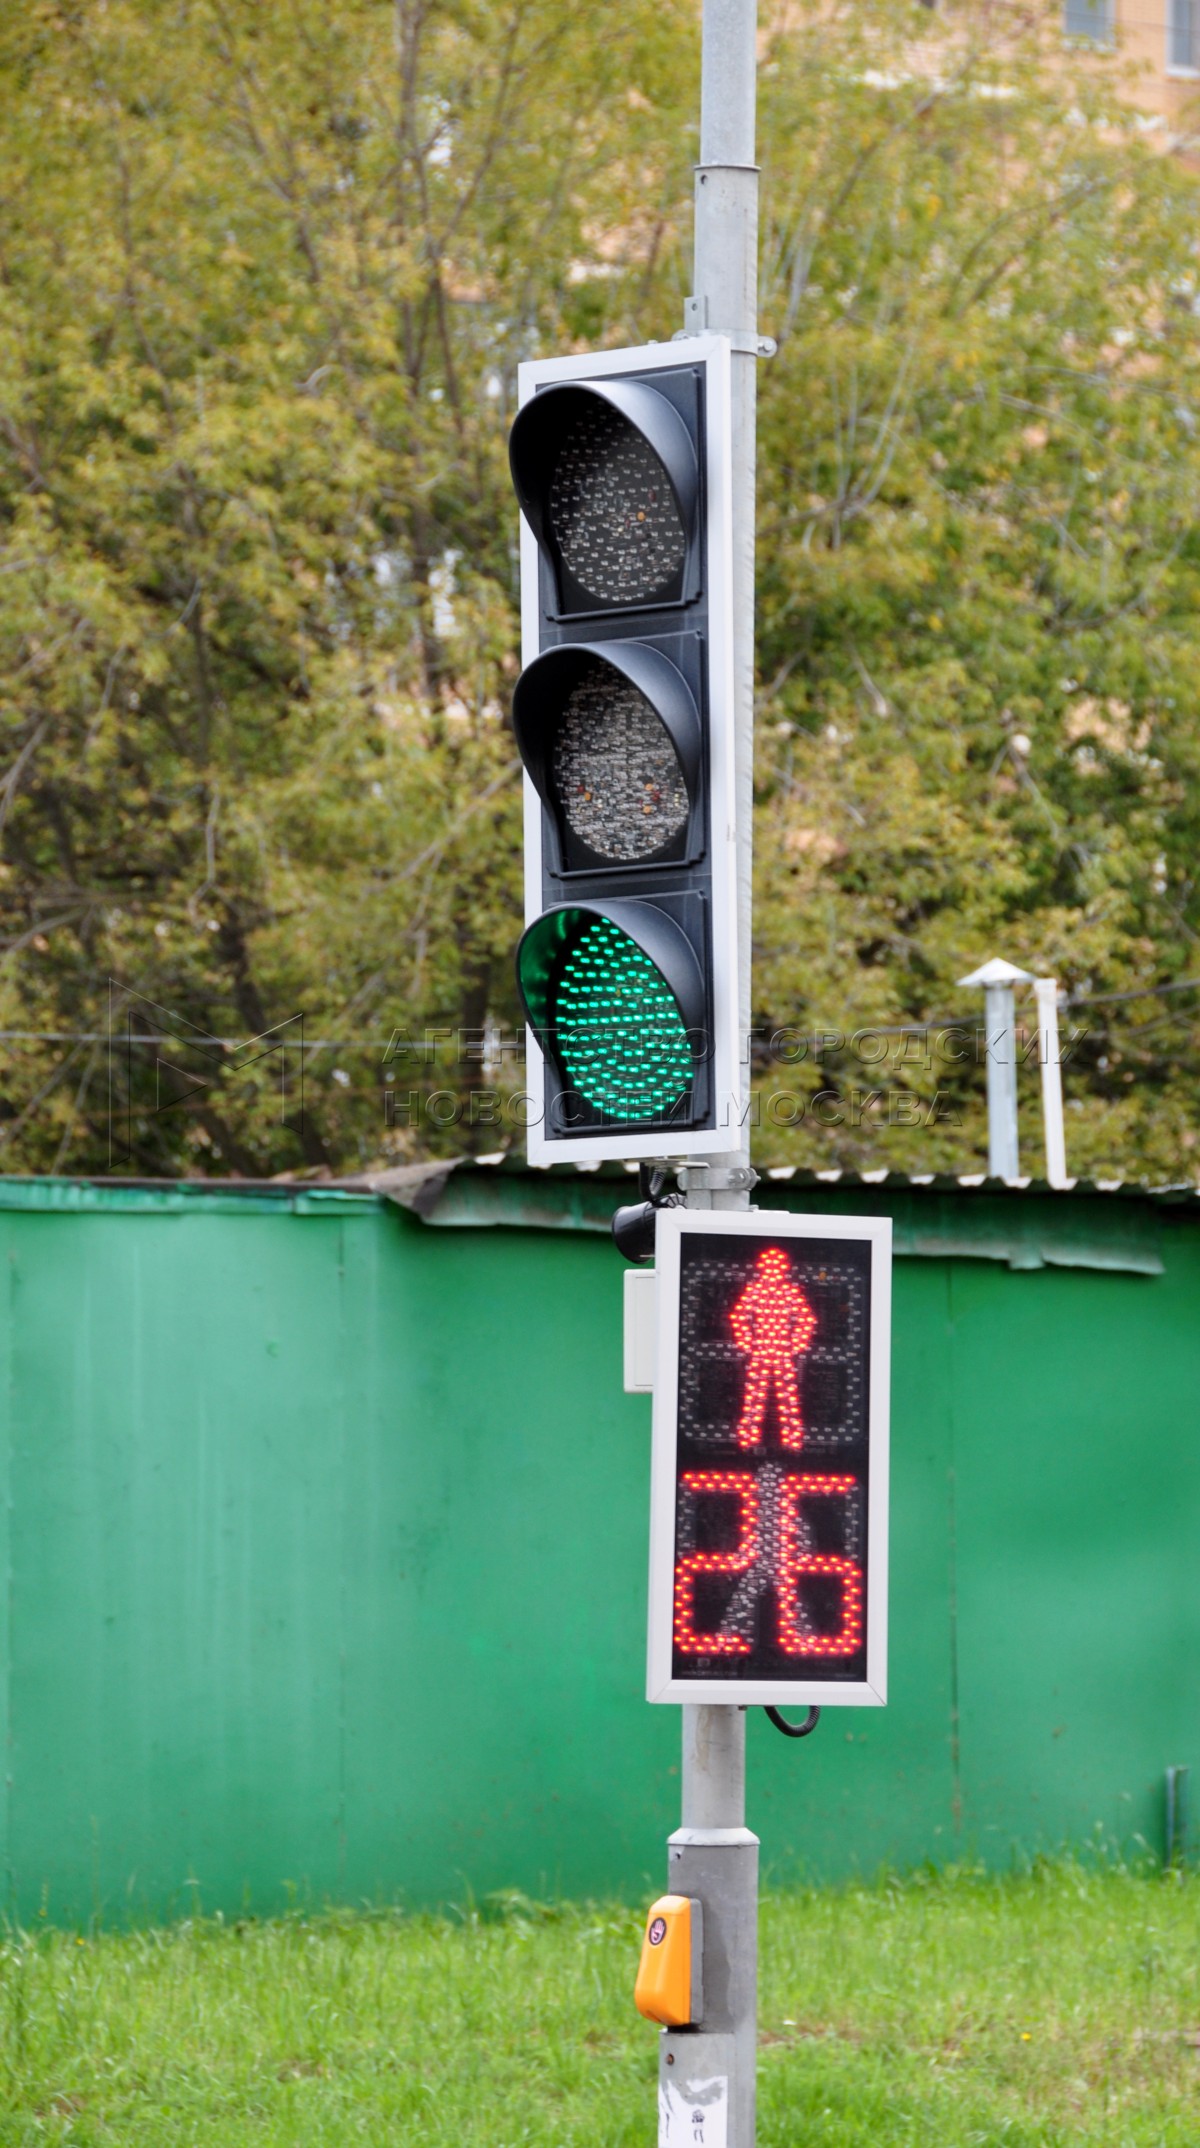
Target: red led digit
(793, 1565)
(735, 1484)
(774, 1324)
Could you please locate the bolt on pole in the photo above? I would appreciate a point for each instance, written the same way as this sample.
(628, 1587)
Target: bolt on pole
(713, 1856)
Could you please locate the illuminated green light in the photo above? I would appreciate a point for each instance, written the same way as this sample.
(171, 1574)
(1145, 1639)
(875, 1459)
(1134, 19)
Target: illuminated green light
(620, 1033)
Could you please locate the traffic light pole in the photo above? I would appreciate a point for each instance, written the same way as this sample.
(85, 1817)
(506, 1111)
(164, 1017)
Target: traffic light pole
(726, 301)
(713, 1856)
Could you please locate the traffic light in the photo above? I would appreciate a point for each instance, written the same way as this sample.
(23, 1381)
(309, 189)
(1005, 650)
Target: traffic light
(623, 717)
(769, 1476)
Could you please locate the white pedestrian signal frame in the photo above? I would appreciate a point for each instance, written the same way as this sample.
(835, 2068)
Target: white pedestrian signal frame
(769, 1486)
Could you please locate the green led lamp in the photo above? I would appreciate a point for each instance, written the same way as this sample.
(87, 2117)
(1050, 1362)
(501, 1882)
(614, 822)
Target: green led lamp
(615, 997)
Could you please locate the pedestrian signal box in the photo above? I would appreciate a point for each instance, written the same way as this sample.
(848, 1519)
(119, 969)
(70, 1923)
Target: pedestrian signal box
(623, 716)
(769, 1493)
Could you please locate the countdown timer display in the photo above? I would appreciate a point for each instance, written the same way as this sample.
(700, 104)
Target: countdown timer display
(768, 1566)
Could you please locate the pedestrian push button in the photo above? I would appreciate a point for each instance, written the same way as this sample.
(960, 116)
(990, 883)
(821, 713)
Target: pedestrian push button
(668, 1979)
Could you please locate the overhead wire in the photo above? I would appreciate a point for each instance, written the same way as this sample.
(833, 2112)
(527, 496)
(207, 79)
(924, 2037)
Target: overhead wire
(430, 1042)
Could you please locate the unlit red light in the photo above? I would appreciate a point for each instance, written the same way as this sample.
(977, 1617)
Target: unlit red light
(616, 773)
(613, 513)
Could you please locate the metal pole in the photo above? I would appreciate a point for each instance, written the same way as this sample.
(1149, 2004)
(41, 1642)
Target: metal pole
(713, 1856)
(725, 300)
(1000, 1021)
(1046, 993)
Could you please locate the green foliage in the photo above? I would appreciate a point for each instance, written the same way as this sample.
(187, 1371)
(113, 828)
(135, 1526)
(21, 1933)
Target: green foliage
(267, 277)
(1057, 2007)
(978, 586)
(267, 274)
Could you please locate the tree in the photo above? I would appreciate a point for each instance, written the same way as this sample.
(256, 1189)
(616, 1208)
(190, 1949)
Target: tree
(978, 593)
(267, 276)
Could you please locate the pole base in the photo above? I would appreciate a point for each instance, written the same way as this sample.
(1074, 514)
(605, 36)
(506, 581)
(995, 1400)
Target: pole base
(723, 1876)
(695, 2071)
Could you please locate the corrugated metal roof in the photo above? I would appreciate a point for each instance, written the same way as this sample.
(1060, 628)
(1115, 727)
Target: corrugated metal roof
(970, 1181)
(407, 1182)
(1096, 1224)
(1171, 1192)
(397, 1180)
(1078, 1227)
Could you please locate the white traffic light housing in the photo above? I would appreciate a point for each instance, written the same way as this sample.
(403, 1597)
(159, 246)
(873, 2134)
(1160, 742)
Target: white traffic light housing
(624, 719)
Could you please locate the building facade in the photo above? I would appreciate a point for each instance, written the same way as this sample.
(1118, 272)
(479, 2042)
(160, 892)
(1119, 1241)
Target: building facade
(1160, 39)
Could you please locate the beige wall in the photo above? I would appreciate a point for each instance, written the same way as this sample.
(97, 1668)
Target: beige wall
(1142, 32)
(1146, 79)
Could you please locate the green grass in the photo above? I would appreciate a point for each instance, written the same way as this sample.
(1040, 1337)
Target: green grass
(949, 2012)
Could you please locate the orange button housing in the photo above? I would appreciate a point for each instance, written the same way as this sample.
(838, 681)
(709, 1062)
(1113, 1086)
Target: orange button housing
(667, 1980)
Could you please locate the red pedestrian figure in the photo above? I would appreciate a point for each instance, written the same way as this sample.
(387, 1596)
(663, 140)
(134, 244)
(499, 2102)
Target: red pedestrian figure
(774, 1324)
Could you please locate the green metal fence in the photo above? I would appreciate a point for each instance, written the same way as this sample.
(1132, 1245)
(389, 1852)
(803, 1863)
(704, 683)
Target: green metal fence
(323, 1548)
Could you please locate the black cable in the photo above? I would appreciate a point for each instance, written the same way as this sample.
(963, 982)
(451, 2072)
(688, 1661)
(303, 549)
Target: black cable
(794, 1730)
